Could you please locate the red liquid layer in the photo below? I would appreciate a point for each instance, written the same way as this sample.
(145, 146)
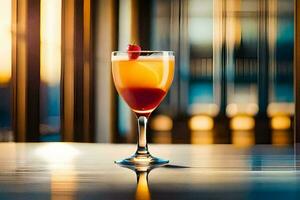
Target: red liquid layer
(143, 99)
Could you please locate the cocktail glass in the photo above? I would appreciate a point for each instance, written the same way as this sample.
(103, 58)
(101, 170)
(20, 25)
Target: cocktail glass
(143, 79)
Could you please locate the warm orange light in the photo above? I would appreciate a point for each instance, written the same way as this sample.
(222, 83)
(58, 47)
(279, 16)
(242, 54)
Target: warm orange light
(243, 138)
(242, 122)
(161, 123)
(142, 189)
(162, 137)
(234, 31)
(280, 138)
(201, 123)
(64, 182)
(5, 74)
(51, 41)
(202, 137)
(5, 41)
(280, 122)
(10, 154)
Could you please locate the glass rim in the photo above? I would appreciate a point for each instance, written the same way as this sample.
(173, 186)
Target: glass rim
(143, 51)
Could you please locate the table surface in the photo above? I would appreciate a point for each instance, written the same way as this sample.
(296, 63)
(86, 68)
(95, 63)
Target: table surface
(87, 171)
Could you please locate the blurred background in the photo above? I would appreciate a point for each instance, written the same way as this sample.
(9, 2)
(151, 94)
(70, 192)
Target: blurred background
(233, 81)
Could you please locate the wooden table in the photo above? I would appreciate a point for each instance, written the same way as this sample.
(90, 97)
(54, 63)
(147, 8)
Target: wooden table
(86, 171)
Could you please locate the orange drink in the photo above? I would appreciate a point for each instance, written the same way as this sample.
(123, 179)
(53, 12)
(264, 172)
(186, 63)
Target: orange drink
(143, 82)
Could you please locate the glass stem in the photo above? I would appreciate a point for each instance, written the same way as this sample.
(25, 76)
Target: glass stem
(142, 140)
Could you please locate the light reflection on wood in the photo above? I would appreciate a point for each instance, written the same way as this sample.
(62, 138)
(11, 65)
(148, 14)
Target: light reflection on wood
(202, 137)
(243, 138)
(63, 184)
(281, 137)
(162, 137)
(9, 157)
(58, 172)
(60, 157)
(142, 188)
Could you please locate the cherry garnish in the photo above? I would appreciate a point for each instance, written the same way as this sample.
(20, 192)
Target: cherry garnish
(133, 51)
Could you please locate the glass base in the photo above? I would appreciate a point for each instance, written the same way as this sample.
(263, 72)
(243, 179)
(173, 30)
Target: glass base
(142, 160)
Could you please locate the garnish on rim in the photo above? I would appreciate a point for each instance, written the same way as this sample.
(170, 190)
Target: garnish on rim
(133, 51)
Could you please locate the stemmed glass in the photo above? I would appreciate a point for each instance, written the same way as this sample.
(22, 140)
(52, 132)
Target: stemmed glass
(143, 79)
